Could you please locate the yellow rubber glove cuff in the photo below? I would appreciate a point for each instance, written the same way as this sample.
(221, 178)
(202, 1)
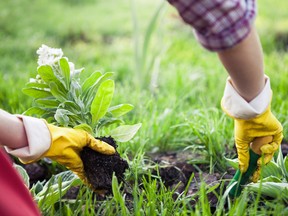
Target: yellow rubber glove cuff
(67, 144)
(246, 130)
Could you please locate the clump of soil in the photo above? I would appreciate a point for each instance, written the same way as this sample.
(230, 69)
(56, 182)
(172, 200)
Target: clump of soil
(99, 168)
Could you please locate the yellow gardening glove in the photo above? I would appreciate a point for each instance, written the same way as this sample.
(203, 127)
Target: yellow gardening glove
(246, 131)
(66, 144)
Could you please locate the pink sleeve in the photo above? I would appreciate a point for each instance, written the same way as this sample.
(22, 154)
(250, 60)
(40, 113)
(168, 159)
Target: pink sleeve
(15, 198)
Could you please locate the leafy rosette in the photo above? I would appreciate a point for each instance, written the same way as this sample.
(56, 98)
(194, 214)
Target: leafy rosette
(62, 98)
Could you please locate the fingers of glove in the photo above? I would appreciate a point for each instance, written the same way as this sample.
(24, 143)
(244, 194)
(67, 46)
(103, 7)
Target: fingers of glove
(243, 155)
(264, 160)
(100, 146)
(243, 158)
(270, 148)
(273, 146)
(73, 162)
(256, 175)
(77, 167)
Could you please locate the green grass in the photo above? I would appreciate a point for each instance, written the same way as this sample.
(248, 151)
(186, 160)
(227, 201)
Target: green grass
(176, 90)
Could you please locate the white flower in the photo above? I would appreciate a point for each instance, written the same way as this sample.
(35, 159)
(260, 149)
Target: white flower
(48, 55)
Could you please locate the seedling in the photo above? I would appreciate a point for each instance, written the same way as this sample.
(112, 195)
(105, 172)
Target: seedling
(63, 99)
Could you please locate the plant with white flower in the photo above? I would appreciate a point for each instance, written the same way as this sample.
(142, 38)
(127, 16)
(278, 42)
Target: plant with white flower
(61, 97)
(48, 55)
(51, 56)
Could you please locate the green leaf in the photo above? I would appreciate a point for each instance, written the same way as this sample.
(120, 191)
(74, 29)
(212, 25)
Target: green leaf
(232, 162)
(271, 189)
(59, 95)
(23, 174)
(91, 80)
(51, 193)
(88, 95)
(271, 179)
(64, 65)
(61, 117)
(34, 111)
(49, 116)
(211, 188)
(52, 103)
(286, 163)
(120, 109)
(102, 100)
(36, 93)
(36, 188)
(47, 74)
(75, 120)
(118, 196)
(281, 163)
(105, 122)
(71, 106)
(271, 169)
(125, 133)
(36, 85)
(84, 127)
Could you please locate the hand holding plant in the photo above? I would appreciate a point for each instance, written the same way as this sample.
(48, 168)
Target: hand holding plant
(62, 99)
(67, 144)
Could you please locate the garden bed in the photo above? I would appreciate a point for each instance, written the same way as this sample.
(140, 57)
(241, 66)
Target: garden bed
(174, 170)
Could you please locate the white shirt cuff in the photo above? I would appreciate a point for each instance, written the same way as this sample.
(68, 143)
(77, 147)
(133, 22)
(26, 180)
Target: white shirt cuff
(39, 139)
(237, 107)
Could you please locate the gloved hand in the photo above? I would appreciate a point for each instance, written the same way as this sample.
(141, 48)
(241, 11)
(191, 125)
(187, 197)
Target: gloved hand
(246, 131)
(66, 144)
(252, 120)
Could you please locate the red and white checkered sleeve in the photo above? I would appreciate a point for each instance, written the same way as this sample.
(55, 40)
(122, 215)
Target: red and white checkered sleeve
(218, 24)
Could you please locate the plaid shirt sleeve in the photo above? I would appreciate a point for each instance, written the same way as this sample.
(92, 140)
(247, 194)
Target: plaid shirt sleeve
(218, 24)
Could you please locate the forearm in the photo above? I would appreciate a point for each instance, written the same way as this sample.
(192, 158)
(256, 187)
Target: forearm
(226, 27)
(244, 63)
(12, 131)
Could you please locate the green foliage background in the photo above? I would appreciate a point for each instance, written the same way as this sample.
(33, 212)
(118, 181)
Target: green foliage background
(171, 100)
(176, 86)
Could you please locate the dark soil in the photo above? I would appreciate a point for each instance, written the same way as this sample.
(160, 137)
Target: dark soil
(284, 147)
(99, 168)
(174, 171)
(36, 172)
